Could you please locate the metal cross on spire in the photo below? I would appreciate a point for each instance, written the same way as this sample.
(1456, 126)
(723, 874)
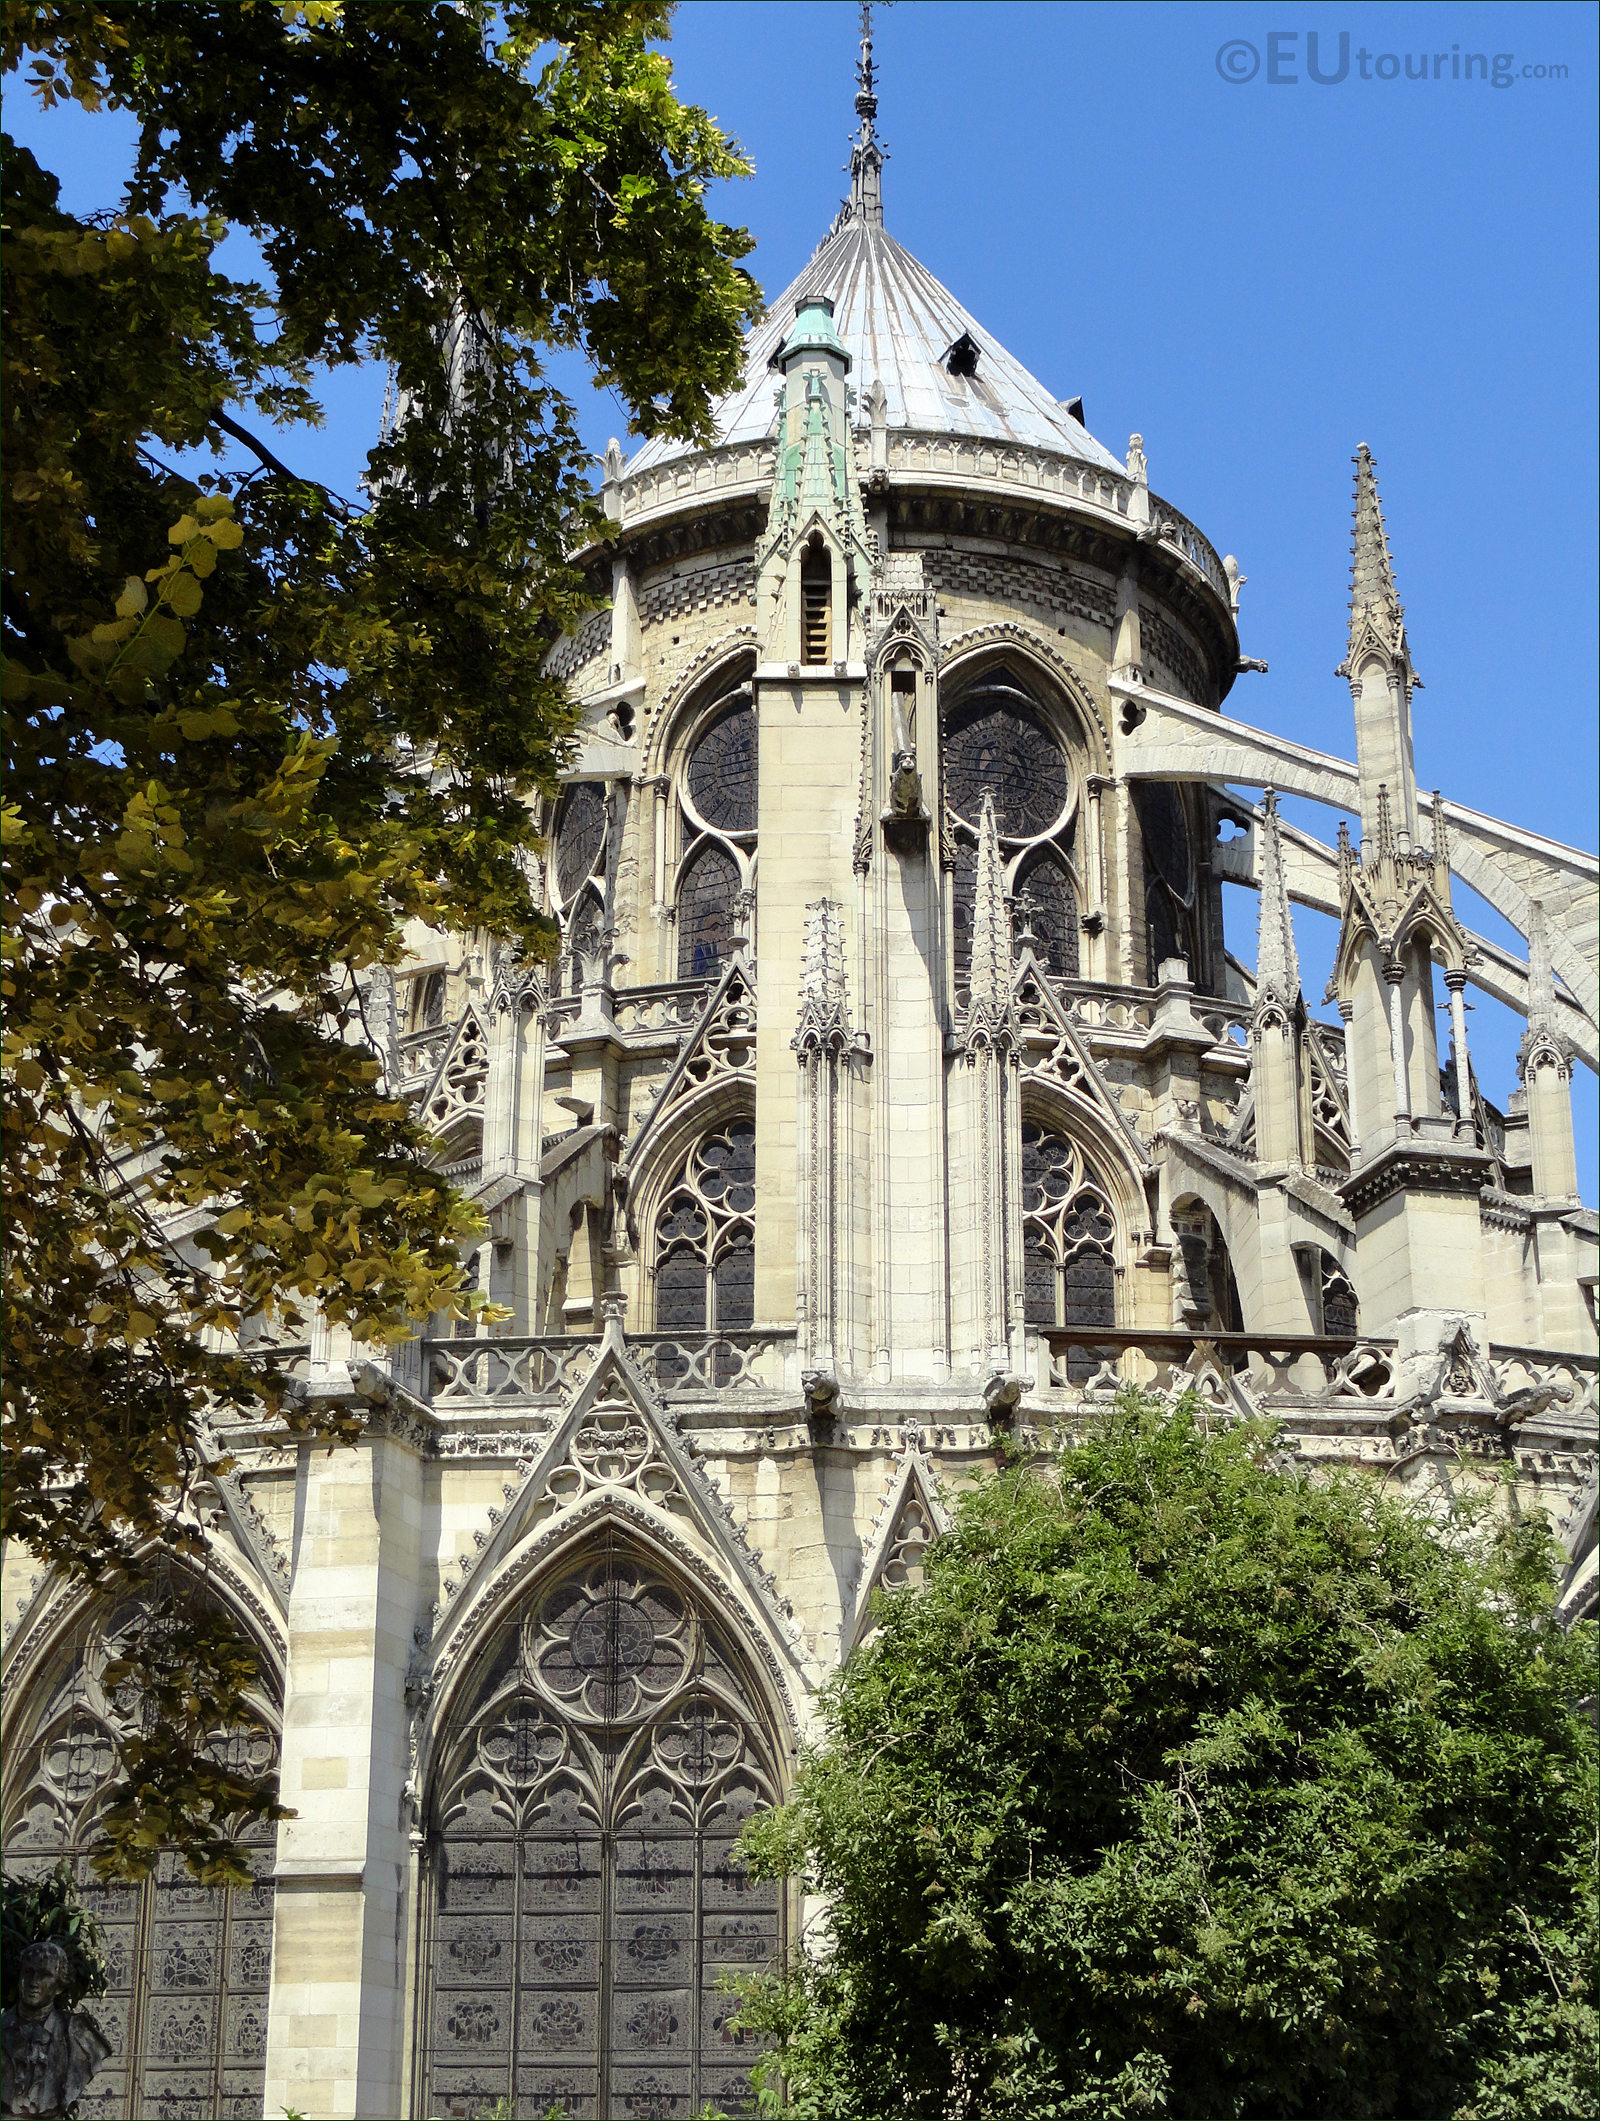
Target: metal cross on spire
(866, 155)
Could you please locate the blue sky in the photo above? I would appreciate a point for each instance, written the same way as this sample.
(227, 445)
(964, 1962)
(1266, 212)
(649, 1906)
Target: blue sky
(1254, 274)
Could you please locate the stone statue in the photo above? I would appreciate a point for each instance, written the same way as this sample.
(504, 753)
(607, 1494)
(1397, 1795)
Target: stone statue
(49, 2054)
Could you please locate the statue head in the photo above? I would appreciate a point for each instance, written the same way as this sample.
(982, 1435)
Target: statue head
(43, 1971)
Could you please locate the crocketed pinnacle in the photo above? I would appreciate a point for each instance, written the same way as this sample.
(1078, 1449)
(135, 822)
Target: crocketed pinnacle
(989, 1004)
(1377, 617)
(1277, 962)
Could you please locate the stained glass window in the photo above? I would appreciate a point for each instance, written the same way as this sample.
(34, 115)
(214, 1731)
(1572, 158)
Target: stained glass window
(705, 1237)
(707, 909)
(1166, 833)
(722, 770)
(995, 744)
(188, 1966)
(580, 835)
(1169, 876)
(1052, 914)
(1068, 1238)
(587, 1898)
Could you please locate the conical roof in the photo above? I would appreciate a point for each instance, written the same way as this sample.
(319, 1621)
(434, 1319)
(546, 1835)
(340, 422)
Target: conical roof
(900, 326)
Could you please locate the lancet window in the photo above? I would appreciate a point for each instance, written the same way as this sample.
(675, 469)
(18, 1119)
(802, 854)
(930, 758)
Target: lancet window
(717, 800)
(1068, 1234)
(1169, 892)
(577, 876)
(705, 1237)
(999, 742)
(188, 1966)
(586, 1898)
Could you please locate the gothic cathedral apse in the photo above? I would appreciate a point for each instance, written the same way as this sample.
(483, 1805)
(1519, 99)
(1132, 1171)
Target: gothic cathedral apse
(893, 1088)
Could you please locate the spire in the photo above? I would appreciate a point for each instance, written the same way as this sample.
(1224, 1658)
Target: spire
(1277, 963)
(866, 156)
(1377, 617)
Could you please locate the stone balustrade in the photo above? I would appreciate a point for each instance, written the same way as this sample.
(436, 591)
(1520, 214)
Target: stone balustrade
(937, 458)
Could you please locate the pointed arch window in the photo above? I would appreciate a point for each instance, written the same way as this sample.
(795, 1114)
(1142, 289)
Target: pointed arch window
(188, 1966)
(1000, 742)
(577, 879)
(718, 796)
(1068, 1240)
(705, 1237)
(585, 1893)
(1169, 896)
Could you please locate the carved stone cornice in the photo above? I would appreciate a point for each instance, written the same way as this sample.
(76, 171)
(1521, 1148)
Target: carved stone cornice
(1416, 1166)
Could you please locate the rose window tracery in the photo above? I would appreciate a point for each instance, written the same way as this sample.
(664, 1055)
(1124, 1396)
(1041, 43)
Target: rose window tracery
(187, 1966)
(586, 1894)
(717, 832)
(999, 743)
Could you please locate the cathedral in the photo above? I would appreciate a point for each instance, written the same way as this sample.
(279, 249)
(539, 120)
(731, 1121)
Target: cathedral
(894, 1097)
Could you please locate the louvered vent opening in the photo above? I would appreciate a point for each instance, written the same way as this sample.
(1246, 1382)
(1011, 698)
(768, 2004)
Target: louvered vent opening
(816, 616)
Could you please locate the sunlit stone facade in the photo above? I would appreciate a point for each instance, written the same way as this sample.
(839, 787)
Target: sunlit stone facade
(893, 1088)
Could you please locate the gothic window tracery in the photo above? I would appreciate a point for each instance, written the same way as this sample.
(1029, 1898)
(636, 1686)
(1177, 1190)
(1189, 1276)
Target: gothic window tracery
(718, 833)
(705, 1237)
(577, 879)
(1068, 1234)
(1169, 895)
(999, 742)
(586, 1895)
(188, 1966)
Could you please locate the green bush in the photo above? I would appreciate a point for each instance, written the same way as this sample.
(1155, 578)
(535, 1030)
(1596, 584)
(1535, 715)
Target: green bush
(1189, 1787)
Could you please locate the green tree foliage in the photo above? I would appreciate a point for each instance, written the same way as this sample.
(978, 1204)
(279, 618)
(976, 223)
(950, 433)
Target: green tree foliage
(1186, 1787)
(47, 1910)
(251, 729)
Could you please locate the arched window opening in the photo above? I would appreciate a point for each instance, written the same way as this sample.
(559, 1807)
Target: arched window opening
(1068, 1240)
(705, 1237)
(586, 1897)
(718, 791)
(427, 1001)
(1206, 1291)
(708, 904)
(580, 836)
(1341, 1314)
(816, 604)
(188, 1967)
(1047, 914)
(999, 744)
(577, 878)
(1169, 898)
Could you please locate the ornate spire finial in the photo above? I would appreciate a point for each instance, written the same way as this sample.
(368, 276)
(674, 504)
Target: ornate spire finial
(1377, 616)
(1277, 961)
(866, 155)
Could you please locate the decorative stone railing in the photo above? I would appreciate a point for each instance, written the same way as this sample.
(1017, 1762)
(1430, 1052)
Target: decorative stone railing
(663, 1009)
(1280, 1369)
(420, 1052)
(712, 471)
(964, 460)
(526, 1371)
(1575, 1378)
